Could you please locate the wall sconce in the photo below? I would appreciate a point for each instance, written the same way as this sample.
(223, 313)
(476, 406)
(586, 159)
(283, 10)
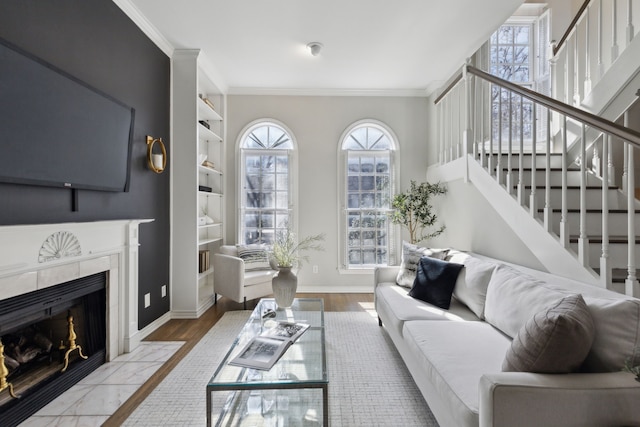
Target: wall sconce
(156, 161)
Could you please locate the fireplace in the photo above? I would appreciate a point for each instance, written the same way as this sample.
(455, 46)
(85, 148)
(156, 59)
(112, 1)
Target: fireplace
(54, 275)
(52, 338)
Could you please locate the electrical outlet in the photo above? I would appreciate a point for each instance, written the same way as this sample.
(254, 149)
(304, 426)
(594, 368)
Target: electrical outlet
(315, 269)
(163, 291)
(147, 300)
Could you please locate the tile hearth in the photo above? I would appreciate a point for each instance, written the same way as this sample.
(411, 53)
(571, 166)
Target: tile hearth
(94, 399)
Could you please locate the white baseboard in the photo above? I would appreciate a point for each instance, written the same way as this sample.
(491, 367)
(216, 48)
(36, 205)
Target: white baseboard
(364, 289)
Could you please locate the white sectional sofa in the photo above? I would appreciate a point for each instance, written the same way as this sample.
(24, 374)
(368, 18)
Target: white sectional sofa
(456, 356)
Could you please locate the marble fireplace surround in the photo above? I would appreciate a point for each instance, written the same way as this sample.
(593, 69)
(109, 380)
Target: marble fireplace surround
(34, 257)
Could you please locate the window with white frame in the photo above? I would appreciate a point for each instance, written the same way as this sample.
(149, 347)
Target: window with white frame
(518, 53)
(266, 152)
(367, 151)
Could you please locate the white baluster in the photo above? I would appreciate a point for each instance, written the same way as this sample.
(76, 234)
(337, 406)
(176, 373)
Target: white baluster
(631, 284)
(482, 123)
(625, 171)
(605, 266)
(491, 137)
(440, 132)
(600, 37)
(630, 29)
(564, 220)
(576, 70)
(595, 161)
(587, 56)
(615, 50)
(499, 159)
(566, 73)
(547, 176)
(509, 177)
(583, 240)
(520, 191)
(466, 121)
(533, 205)
(610, 167)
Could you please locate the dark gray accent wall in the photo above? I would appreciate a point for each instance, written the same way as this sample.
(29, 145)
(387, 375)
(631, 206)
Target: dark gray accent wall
(96, 42)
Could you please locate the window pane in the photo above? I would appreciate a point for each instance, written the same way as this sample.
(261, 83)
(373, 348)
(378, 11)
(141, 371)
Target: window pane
(355, 256)
(366, 164)
(282, 182)
(353, 219)
(253, 200)
(267, 164)
(521, 35)
(251, 219)
(369, 256)
(353, 165)
(267, 219)
(282, 163)
(282, 219)
(354, 238)
(353, 201)
(367, 200)
(353, 183)
(268, 182)
(382, 165)
(282, 200)
(268, 200)
(367, 183)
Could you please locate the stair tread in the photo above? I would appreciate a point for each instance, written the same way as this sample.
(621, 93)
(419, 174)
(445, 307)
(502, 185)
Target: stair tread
(541, 210)
(574, 187)
(598, 239)
(542, 169)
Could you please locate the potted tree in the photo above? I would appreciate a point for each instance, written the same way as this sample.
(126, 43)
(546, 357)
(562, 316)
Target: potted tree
(288, 252)
(413, 210)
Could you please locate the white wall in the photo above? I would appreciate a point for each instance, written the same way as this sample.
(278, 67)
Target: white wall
(317, 123)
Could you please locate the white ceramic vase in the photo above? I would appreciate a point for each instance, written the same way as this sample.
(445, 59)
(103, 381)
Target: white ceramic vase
(284, 285)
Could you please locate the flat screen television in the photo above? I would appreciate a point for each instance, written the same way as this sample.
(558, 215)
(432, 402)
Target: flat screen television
(58, 131)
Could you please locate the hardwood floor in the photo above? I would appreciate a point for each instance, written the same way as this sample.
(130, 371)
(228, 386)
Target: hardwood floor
(192, 330)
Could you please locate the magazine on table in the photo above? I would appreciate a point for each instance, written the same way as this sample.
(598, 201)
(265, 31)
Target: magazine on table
(264, 350)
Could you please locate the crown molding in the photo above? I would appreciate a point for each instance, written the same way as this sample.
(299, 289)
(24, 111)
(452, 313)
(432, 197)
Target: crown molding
(146, 26)
(328, 92)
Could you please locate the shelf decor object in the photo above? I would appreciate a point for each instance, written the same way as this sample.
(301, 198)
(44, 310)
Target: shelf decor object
(156, 161)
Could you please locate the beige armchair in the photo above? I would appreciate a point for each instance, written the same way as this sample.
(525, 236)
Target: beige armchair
(232, 281)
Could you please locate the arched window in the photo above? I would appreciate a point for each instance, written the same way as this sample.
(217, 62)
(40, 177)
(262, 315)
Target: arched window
(367, 155)
(266, 182)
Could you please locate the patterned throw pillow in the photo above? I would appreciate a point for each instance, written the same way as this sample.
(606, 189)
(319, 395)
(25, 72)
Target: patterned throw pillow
(255, 257)
(411, 255)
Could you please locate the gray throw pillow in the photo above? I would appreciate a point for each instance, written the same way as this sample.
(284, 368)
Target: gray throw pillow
(411, 255)
(554, 341)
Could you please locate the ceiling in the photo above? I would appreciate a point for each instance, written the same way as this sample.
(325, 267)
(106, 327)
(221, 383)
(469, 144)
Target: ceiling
(401, 47)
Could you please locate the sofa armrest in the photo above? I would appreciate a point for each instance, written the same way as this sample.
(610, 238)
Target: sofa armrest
(228, 276)
(385, 274)
(526, 399)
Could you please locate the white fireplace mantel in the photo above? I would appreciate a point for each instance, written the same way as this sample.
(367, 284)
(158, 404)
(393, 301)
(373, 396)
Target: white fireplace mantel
(34, 257)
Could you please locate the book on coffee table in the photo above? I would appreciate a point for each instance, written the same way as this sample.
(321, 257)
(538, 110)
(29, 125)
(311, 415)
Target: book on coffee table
(264, 350)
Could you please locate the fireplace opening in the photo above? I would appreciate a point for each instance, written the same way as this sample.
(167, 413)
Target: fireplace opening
(52, 338)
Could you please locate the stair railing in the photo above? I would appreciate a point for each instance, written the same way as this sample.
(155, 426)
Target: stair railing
(584, 55)
(479, 116)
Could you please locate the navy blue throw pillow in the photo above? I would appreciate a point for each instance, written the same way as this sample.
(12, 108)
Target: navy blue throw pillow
(435, 280)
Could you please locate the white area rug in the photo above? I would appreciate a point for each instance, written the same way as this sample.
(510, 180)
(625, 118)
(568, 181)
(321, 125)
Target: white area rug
(369, 384)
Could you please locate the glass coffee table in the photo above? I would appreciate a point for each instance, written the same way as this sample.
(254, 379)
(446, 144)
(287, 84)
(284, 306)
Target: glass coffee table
(292, 393)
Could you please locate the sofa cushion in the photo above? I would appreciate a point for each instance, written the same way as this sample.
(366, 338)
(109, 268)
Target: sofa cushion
(435, 280)
(473, 280)
(394, 304)
(513, 297)
(454, 356)
(411, 255)
(554, 341)
(255, 257)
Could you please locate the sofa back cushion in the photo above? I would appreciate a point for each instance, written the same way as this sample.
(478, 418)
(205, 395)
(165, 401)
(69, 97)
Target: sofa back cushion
(473, 280)
(513, 297)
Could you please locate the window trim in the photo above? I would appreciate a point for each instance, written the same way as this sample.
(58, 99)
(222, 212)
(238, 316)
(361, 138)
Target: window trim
(341, 194)
(292, 153)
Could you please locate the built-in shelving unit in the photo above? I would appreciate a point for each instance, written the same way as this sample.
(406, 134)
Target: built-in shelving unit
(197, 189)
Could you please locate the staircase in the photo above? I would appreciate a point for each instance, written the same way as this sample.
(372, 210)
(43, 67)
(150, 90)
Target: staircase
(578, 222)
